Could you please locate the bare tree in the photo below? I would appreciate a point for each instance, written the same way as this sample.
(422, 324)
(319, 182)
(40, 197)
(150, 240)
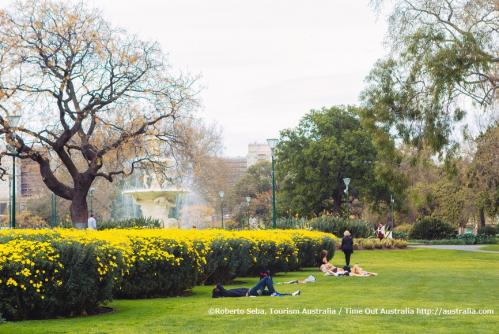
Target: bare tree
(95, 101)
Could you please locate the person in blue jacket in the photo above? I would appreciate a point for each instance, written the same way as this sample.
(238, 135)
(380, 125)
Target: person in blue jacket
(265, 287)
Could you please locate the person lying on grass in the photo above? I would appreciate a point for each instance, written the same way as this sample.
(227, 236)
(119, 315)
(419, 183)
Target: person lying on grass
(265, 287)
(333, 271)
(358, 271)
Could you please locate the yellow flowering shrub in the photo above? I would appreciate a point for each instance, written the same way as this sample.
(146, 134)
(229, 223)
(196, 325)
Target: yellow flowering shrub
(137, 263)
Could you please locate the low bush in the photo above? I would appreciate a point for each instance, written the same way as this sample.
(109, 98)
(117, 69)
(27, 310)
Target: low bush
(403, 228)
(129, 223)
(373, 243)
(430, 228)
(400, 235)
(338, 225)
(65, 272)
(464, 239)
(42, 279)
(286, 223)
(487, 230)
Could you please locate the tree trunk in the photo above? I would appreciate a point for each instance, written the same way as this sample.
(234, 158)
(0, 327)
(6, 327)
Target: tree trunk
(337, 201)
(482, 217)
(79, 210)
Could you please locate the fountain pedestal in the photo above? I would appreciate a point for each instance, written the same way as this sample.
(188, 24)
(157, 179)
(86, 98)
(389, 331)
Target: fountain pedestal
(157, 204)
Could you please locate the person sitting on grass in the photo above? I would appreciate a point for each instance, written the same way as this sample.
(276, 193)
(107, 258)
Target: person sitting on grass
(358, 271)
(265, 287)
(328, 268)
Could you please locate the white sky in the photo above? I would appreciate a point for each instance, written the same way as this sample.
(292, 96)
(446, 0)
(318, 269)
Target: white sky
(263, 64)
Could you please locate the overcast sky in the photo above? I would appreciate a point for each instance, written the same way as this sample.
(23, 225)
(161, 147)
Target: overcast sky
(263, 64)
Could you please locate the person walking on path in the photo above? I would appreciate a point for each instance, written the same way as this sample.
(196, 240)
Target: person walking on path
(347, 246)
(91, 223)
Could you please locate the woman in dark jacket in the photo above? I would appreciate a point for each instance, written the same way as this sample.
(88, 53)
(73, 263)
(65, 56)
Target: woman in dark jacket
(347, 246)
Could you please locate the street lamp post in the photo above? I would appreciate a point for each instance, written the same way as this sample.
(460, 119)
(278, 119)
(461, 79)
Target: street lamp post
(92, 190)
(248, 200)
(221, 194)
(272, 144)
(346, 180)
(53, 218)
(13, 122)
(392, 201)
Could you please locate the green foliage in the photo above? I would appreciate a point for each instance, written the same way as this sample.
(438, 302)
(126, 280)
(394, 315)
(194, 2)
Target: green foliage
(484, 171)
(431, 228)
(292, 223)
(374, 243)
(464, 239)
(146, 222)
(78, 275)
(403, 228)
(487, 230)
(327, 146)
(400, 235)
(227, 259)
(338, 225)
(156, 276)
(442, 52)
(77, 288)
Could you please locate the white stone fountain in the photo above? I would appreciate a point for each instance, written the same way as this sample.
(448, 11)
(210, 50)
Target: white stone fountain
(157, 201)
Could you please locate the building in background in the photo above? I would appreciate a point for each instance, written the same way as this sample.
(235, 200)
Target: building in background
(31, 181)
(236, 169)
(29, 184)
(258, 152)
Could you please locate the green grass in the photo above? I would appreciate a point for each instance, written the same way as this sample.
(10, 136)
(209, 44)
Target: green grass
(491, 247)
(420, 278)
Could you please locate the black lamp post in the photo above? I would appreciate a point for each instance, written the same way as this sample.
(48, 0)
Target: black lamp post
(272, 144)
(248, 200)
(221, 194)
(13, 123)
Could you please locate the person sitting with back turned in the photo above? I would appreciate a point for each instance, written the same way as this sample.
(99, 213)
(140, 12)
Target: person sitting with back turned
(265, 287)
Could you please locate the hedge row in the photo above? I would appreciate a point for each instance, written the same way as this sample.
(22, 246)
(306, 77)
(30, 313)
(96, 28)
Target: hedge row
(338, 225)
(48, 273)
(372, 243)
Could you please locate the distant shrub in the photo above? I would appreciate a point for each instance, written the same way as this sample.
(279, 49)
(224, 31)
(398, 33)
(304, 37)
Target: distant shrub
(338, 225)
(487, 230)
(129, 223)
(430, 228)
(287, 223)
(403, 228)
(400, 235)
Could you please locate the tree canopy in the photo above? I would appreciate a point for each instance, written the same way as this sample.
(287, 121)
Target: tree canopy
(327, 146)
(443, 54)
(94, 100)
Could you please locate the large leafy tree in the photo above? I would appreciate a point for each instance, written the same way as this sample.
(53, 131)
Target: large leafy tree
(95, 101)
(484, 173)
(327, 146)
(444, 55)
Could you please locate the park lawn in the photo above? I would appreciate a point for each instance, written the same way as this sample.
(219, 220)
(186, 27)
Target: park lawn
(491, 247)
(420, 278)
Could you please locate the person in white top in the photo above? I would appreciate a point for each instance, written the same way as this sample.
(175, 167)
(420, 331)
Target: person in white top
(92, 223)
